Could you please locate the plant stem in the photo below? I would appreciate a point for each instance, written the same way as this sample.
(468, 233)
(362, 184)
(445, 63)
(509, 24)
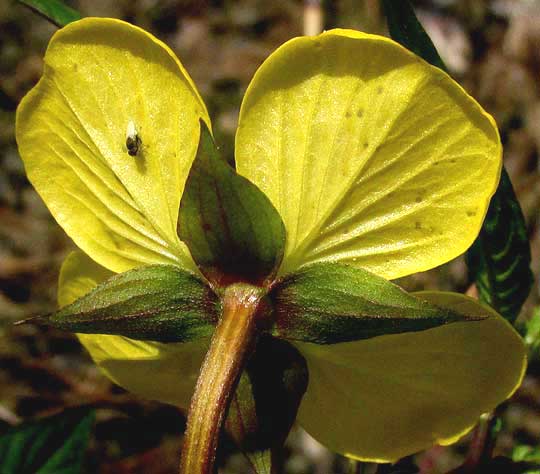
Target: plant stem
(478, 444)
(231, 345)
(483, 442)
(355, 467)
(313, 17)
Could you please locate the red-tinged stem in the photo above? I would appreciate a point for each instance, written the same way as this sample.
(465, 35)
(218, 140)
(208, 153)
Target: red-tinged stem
(231, 345)
(482, 444)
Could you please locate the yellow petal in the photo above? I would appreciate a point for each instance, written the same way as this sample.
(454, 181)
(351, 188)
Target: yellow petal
(104, 79)
(372, 157)
(164, 372)
(383, 398)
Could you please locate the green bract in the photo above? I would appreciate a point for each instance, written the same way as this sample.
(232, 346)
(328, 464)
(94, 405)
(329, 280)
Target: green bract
(373, 163)
(230, 227)
(328, 303)
(156, 302)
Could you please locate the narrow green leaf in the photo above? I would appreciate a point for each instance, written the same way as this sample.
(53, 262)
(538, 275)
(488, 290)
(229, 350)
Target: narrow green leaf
(266, 401)
(158, 302)
(500, 258)
(404, 27)
(328, 303)
(54, 445)
(233, 231)
(55, 11)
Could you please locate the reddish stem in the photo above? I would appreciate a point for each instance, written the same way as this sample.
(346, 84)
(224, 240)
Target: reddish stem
(231, 345)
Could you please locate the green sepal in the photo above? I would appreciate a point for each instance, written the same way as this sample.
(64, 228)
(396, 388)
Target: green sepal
(264, 407)
(158, 303)
(232, 229)
(55, 11)
(53, 445)
(327, 303)
(500, 258)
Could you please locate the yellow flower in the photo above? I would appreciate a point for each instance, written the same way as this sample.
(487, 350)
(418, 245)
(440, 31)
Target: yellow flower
(372, 157)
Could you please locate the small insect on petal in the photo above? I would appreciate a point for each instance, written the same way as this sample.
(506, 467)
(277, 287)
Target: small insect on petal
(133, 141)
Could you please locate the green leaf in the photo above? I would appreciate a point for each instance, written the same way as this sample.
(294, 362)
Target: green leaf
(266, 401)
(329, 303)
(231, 228)
(526, 453)
(404, 27)
(158, 303)
(53, 10)
(54, 445)
(499, 260)
(530, 331)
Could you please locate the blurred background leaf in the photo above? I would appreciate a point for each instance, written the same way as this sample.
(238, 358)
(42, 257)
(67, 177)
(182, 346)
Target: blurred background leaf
(526, 453)
(531, 333)
(54, 445)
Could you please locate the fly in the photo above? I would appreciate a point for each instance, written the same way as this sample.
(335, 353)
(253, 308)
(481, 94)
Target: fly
(133, 141)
